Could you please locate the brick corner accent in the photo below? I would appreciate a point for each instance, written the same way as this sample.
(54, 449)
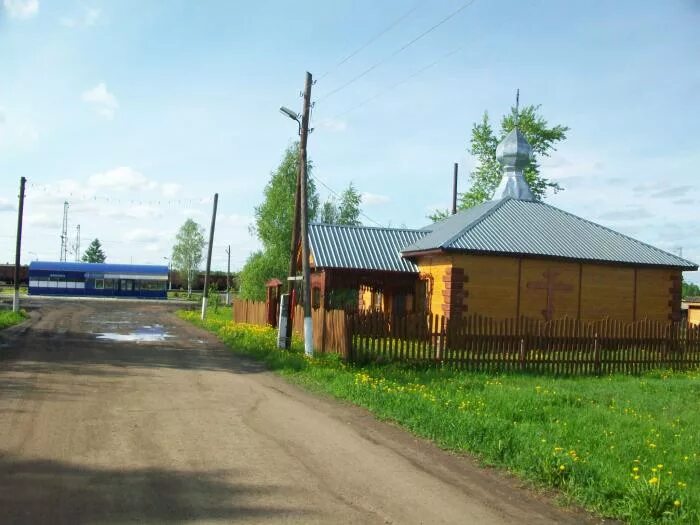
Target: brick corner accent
(454, 294)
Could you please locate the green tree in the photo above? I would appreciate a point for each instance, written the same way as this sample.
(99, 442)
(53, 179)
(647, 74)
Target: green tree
(188, 251)
(274, 219)
(690, 289)
(345, 211)
(94, 253)
(487, 174)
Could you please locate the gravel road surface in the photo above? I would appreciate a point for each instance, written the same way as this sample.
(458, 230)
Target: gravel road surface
(115, 412)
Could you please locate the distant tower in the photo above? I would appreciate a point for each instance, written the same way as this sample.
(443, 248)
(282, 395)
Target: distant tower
(77, 243)
(64, 233)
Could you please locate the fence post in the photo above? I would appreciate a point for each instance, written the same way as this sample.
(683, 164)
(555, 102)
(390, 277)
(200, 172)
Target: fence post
(349, 327)
(596, 354)
(522, 354)
(323, 328)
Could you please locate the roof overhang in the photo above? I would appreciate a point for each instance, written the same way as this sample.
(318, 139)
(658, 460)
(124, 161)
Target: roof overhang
(456, 251)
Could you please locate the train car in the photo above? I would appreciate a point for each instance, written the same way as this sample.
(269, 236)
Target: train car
(98, 279)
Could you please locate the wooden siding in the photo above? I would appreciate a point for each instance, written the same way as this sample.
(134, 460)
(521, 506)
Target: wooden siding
(694, 314)
(502, 287)
(490, 285)
(438, 266)
(654, 293)
(607, 292)
(549, 289)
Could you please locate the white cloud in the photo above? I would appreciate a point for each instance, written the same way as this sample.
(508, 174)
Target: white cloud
(6, 205)
(371, 199)
(87, 18)
(43, 220)
(122, 178)
(170, 189)
(21, 9)
(101, 100)
(142, 235)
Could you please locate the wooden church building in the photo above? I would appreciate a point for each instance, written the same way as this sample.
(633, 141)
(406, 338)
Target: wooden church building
(512, 256)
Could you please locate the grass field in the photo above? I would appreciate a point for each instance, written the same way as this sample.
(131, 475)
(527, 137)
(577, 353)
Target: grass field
(9, 318)
(622, 446)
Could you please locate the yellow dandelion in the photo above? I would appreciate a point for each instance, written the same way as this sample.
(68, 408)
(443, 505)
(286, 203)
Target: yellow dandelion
(653, 481)
(677, 503)
(562, 467)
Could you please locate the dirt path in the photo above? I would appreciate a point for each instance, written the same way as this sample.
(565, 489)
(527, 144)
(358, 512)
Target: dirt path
(144, 427)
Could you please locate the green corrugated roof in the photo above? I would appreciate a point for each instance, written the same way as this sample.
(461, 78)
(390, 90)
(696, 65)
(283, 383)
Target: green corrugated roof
(361, 247)
(520, 227)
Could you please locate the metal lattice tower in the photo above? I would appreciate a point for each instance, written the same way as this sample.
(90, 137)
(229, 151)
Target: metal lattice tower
(77, 243)
(64, 233)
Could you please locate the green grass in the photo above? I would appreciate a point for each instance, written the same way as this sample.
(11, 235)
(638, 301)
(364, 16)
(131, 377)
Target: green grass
(9, 318)
(622, 446)
(10, 290)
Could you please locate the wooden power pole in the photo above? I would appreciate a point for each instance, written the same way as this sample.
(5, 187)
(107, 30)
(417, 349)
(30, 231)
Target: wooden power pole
(454, 190)
(228, 276)
(308, 325)
(18, 250)
(205, 294)
(287, 340)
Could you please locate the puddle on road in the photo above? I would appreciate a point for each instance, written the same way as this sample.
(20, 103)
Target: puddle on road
(145, 334)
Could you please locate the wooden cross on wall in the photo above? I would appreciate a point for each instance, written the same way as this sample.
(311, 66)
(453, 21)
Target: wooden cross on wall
(551, 286)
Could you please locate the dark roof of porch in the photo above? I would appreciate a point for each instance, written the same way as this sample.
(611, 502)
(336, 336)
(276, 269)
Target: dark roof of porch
(361, 247)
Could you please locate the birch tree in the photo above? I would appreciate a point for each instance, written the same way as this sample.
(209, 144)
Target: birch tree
(189, 251)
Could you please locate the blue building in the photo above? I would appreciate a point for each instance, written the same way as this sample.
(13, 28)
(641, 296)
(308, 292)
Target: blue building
(98, 279)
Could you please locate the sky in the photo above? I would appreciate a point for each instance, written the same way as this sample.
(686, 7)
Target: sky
(136, 113)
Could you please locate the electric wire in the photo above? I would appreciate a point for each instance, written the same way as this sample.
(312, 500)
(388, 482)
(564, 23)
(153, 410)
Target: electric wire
(369, 42)
(397, 84)
(397, 51)
(370, 219)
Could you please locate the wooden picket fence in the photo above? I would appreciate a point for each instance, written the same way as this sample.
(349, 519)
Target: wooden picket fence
(564, 346)
(251, 312)
(330, 333)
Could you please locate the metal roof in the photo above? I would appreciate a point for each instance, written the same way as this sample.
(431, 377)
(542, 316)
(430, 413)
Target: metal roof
(63, 266)
(361, 247)
(512, 226)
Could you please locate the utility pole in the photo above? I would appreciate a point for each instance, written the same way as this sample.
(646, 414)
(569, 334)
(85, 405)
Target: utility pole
(308, 324)
(454, 190)
(18, 250)
(287, 341)
(228, 276)
(64, 233)
(77, 243)
(205, 294)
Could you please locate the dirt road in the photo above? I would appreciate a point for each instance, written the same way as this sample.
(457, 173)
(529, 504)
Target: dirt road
(119, 412)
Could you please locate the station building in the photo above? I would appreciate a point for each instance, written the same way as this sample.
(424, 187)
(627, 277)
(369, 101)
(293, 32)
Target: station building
(98, 279)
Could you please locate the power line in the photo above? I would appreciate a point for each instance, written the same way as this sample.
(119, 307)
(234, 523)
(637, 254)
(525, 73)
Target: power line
(401, 82)
(370, 219)
(369, 42)
(398, 51)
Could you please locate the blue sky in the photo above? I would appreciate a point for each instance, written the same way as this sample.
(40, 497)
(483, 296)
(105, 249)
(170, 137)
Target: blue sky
(137, 112)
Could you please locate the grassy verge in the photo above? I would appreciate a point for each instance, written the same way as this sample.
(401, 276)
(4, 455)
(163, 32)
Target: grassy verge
(622, 446)
(9, 318)
(10, 290)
